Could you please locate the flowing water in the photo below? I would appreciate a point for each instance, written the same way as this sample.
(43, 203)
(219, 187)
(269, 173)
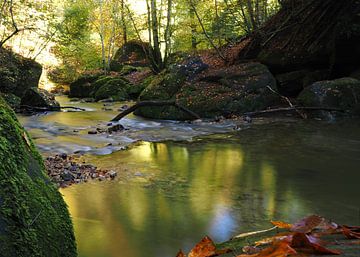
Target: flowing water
(183, 181)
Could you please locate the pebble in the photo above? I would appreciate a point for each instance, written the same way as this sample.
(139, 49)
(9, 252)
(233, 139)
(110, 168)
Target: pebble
(64, 171)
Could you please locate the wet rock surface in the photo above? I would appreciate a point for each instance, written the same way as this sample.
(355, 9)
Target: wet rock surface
(65, 170)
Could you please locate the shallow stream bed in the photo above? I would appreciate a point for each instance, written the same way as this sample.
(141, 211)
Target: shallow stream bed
(183, 181)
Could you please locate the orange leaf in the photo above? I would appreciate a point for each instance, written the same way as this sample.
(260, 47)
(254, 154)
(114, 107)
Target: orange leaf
(278, 249)
(307, 224)
(205, 248)
(281, 224)
(301, 242)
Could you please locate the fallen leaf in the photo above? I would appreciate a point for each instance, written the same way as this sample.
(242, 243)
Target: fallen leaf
(205, 248)
(281, 224)
(278, 249)
(307, 224)
(301, 242)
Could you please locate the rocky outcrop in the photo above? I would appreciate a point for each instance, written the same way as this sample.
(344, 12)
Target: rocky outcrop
(120, 86)
(210, 92)
(34, 220)
(37, 97)
(82, 87)
(17, 74)
(133, 53)
(341, 93)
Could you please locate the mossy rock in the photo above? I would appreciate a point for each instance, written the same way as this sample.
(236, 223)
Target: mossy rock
(224, 91)
(115, 88)
(163, 86)
(83, 86)
(132, 53)
(37, 97)
(341, 93)
(17, 73)
(34, 220)
(12, 100)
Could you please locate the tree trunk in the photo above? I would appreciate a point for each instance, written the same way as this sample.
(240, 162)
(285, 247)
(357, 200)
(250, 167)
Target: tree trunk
(168, 32)
(155, 34)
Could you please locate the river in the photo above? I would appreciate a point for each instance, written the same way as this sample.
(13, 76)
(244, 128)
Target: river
(179, 182)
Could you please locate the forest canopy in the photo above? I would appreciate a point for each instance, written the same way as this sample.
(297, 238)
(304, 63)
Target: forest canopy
(85, 34)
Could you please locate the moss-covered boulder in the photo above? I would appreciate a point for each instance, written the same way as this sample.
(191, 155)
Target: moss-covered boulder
(341, 93)
(132, 53)
(34, 220)
(211, 92)
(17, 74)
(83, 86)
(12, 100)
(115, 88)
(37, 97)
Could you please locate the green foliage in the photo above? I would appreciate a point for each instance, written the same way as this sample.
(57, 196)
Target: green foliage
(74, 43)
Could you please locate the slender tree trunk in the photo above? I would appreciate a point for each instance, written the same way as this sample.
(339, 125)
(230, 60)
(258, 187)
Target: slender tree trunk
(123, 22)
(251, 14)
(149, 21)
(194, 42)
(103, 58)
(168, 32)
(205, 32)
(246, 21)
(155, 34)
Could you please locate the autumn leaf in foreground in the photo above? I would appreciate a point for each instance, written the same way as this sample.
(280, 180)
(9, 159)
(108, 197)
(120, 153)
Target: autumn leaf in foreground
(205, 248)
(301, 242)
(278, 249)
(307, 224)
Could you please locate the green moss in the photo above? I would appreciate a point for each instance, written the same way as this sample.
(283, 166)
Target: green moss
(341, 93)
(163, 86)
(12, 100)
(115, 88)
(35, 220)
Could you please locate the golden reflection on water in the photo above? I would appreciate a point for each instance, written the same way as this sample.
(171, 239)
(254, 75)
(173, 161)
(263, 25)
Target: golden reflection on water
(169, 195)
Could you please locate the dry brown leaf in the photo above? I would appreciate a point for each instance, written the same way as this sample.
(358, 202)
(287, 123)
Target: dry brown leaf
(307, 224)
(278, 249)
(205, 248)
(301, 242)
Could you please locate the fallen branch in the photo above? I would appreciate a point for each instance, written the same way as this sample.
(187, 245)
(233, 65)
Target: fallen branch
(49, 108)
(247, 234)
(155, 103)
(250, 114)
(301, 114)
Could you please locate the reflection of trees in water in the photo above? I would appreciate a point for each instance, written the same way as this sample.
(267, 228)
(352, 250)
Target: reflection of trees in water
(256, 176)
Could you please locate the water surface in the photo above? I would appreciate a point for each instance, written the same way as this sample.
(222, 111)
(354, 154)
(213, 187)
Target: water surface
(170, 194)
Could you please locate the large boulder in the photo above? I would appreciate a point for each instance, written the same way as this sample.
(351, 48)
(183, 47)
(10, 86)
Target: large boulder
(115, 88)
(83, 86)
(132, 53)
(34, 220)
(341, 93)
(37, 97)
(211, 92)
(17, 74)
(113, 85)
